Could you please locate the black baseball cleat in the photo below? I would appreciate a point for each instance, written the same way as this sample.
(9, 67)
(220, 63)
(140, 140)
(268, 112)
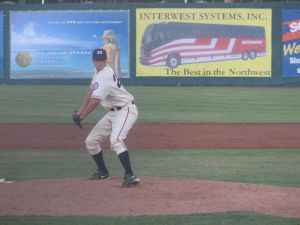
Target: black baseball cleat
(130, 180)
(99, 175)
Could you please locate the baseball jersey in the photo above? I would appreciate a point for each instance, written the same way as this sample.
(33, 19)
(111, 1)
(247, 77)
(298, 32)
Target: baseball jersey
(107, 87)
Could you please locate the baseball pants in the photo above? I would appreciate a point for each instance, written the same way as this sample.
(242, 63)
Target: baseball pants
(115, 124)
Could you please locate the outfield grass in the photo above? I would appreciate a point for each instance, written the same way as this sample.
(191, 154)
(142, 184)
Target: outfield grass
(55, 104)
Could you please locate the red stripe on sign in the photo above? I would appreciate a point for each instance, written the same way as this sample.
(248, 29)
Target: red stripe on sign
(291, 30)
(291, 36)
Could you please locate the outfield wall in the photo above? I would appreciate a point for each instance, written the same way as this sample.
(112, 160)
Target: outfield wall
(52, 44)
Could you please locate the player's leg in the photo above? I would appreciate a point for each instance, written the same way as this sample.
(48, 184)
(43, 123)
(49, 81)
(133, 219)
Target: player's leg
(122, 122)
(99, 132)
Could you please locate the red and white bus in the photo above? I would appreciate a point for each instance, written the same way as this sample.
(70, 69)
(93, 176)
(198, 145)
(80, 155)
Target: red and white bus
(172, 44)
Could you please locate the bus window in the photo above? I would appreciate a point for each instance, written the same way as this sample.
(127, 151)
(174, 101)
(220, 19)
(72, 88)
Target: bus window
(147, 37)
(158, 38)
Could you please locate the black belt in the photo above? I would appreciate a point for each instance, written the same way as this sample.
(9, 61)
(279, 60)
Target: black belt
(117, 108)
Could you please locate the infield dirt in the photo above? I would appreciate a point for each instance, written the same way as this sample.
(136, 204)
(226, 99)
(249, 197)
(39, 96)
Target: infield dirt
(157, 136)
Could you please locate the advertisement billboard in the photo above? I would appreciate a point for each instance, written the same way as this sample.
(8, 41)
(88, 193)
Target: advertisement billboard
(291, 42)
(59, 44)
(203, 42)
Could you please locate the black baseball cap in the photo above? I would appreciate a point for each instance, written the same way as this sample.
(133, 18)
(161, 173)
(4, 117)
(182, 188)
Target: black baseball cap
(99, 54)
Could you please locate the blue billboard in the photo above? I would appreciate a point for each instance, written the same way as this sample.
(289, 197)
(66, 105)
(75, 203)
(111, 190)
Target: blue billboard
(291, 42)
(59, 44)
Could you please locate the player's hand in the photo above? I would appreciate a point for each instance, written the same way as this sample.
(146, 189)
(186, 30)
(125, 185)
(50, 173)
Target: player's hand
(76, 119)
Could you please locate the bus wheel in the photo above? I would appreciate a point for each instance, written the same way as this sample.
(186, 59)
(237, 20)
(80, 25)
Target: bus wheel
(245, 55)
(173, 61)
(253, 54)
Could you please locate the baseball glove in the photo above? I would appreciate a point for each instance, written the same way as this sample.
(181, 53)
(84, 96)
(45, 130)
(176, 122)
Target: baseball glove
(76, 119)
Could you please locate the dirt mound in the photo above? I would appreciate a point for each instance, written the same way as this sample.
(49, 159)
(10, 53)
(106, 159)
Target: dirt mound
(154, 196)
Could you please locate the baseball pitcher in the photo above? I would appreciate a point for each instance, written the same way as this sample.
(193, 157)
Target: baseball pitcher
(107, 90)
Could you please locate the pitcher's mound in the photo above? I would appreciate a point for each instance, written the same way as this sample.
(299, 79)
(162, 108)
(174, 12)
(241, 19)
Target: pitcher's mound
(153, 196)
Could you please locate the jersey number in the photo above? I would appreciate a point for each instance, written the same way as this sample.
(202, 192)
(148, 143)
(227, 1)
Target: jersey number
(117, 80)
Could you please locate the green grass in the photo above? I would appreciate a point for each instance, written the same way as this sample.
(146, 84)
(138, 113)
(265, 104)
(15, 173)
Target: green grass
(55, 104)
(269, 167)
(232, 218)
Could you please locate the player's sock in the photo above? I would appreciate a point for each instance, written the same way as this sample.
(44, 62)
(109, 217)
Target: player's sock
(125, 160)
(100, 161)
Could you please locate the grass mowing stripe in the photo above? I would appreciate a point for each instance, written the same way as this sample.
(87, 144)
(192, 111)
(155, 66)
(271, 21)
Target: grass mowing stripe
(269, 167)
(229, 218)
(54, 104)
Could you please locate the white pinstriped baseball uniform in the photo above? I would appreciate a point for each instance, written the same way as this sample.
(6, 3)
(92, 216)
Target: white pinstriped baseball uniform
(119, 119)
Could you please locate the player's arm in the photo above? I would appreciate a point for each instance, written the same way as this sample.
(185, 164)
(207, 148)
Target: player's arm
(93, 103)
(88, 106)
(86, 102)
